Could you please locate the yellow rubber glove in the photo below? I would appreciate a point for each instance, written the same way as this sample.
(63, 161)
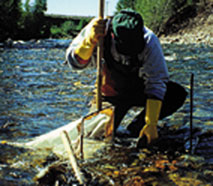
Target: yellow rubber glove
(85, 49)
(153, 108)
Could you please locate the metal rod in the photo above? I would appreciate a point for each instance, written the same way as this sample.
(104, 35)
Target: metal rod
(82, 140)
(191, 110)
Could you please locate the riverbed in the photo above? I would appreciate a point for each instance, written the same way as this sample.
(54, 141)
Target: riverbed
(38, 93)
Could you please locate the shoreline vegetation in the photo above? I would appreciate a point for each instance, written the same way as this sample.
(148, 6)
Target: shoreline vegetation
(182, 21)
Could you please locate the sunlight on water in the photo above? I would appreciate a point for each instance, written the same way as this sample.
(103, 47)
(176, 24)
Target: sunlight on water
(38, 93)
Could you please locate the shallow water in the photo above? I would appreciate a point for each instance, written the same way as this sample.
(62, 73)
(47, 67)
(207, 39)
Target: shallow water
(38, 93)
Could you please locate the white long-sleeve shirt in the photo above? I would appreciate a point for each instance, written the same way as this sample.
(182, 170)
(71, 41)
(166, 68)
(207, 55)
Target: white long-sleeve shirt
(153, 69)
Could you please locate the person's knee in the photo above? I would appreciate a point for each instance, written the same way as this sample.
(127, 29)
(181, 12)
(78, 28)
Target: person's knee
(182, 94)
(174, 99)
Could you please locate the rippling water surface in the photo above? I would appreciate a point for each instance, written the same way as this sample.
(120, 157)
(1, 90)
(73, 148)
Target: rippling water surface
(38, 93)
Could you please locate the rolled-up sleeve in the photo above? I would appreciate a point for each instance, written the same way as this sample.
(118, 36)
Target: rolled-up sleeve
(155, 68)
(72, 60)
(70, 56)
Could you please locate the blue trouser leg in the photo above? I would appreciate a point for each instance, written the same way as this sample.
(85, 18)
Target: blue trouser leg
(173, 100)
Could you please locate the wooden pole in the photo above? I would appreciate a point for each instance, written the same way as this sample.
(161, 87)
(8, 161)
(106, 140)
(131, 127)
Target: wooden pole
(99, 58)
(73, 161)
(191, 109)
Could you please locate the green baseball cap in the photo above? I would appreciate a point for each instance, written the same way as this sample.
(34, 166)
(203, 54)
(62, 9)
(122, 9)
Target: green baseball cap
(127, 27)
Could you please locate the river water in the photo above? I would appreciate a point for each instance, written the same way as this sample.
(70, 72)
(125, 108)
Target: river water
(38, 94)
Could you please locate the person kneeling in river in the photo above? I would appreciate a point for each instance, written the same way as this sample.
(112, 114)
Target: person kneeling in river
(134, 71)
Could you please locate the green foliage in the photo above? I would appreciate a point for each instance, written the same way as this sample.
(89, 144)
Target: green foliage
(81, 24)
(62, 31)
(123, 4)
(10, 18)
(40, 7)
(68, 28)
(34, 20)
(55, 31)
(18, 21)
(156, 13)
(28, 20)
